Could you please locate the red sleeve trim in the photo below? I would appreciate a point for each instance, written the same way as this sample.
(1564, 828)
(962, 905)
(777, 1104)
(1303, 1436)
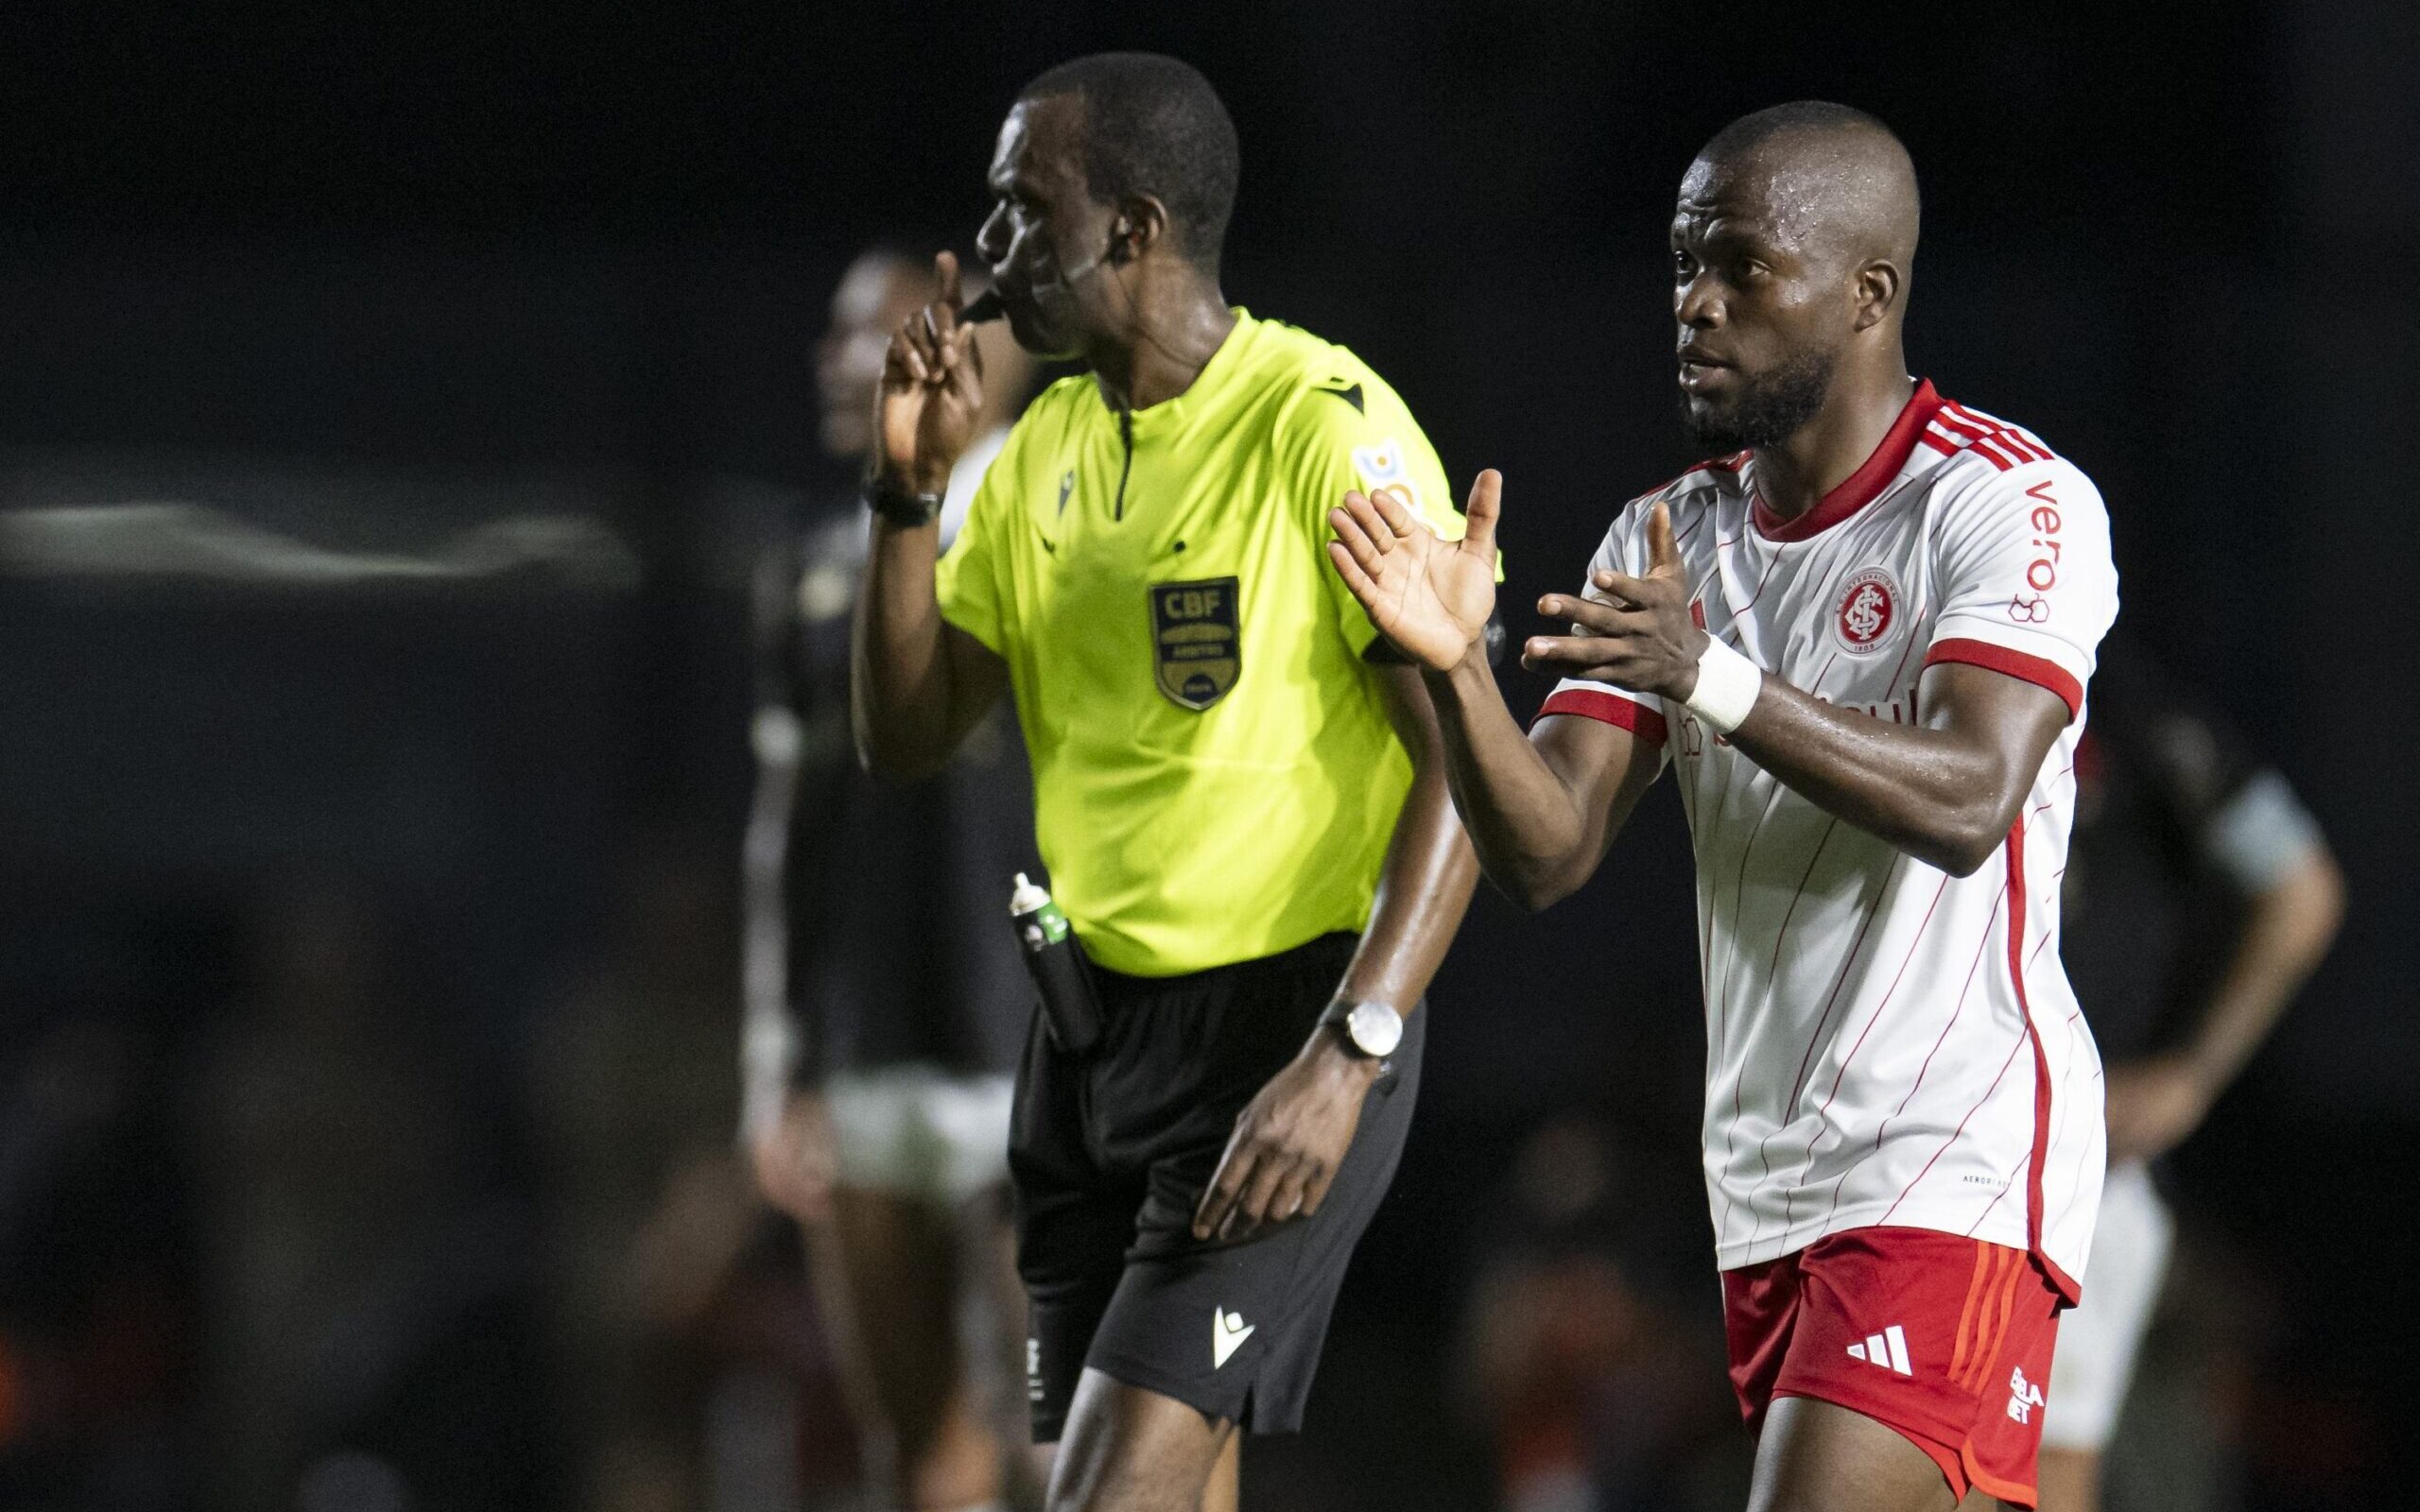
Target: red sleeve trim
(2039, 671)
(1608, 707)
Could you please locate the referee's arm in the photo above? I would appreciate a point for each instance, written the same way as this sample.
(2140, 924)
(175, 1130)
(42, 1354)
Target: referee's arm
(917, 683)
(1289, 1141)
(1430, 870)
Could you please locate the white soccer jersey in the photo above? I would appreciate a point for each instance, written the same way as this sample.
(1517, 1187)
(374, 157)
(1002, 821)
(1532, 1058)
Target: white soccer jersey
(1886, 1043)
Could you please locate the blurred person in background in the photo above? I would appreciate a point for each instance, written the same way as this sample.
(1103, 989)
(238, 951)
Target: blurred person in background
(1594, 1372)
(1240, 801)
(102, 1368)
(2200, 893)
(359, 1264)
(655, 1233)
(884, 1000)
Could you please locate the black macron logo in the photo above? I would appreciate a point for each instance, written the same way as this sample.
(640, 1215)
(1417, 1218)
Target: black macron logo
(1350, 393)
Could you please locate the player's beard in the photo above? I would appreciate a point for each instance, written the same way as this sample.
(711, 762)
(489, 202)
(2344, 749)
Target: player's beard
(1768, 408)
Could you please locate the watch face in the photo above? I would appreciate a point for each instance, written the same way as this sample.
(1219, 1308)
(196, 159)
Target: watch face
(1375, 1028)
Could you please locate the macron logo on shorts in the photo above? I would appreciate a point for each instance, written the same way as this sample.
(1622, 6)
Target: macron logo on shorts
(1228, 1331)
(1887, 1348)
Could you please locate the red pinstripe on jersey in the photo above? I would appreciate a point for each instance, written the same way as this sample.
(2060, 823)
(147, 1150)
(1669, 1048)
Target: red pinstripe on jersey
(1957, 1011)
(2034, 1200)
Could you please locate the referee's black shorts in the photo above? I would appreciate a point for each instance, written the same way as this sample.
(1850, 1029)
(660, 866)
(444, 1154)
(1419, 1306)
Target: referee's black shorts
(1109, 1154)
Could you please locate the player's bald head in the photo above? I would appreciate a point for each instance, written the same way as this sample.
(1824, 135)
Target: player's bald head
(1833, 181)
(1792, 246)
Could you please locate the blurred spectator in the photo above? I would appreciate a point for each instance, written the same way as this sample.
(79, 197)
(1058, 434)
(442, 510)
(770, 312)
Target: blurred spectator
(2200, 893)
(359, 1272)
(97, 1347)
(1597, 1377)
(647, 1210)
(886, 1004)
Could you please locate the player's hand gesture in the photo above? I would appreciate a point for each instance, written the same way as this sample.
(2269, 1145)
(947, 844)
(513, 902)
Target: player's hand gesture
(1640, 636)
(1429, 595)
(931, 392)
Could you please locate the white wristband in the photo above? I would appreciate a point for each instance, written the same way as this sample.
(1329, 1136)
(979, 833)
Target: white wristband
(1727, 687)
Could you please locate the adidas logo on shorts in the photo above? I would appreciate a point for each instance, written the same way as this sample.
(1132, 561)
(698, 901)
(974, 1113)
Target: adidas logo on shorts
(1887, 1348)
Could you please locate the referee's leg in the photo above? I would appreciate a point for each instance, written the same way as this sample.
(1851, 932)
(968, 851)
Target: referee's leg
(1126, 1449)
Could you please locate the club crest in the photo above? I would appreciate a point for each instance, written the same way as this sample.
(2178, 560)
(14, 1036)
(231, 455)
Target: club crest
(1194, 640)
(1869, 609)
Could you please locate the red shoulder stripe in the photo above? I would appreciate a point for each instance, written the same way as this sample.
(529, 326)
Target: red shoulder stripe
(1977, 439)
(2011, 438)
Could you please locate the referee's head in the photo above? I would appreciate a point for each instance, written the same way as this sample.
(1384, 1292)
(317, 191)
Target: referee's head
(1111, 170)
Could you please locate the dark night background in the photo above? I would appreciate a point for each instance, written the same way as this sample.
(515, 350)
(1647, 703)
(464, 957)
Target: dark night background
(373, 279)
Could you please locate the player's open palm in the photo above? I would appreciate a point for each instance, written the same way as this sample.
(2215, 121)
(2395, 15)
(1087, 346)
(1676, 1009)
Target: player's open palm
(1431, 596)
(931, 390)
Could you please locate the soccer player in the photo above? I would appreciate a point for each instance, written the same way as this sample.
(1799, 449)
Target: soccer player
(2183, 837)
(886, 1004)
(1861, 637)
(1239, 799)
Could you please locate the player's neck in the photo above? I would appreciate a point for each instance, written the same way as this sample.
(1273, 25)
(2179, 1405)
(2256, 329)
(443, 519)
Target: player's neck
(1795, 475)
(1178, 326)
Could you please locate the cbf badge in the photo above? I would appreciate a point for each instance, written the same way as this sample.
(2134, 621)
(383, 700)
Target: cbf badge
(1194, 640)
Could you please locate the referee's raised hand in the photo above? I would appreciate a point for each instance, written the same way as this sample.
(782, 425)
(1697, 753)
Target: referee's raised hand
(1429, 595)
(931, 392)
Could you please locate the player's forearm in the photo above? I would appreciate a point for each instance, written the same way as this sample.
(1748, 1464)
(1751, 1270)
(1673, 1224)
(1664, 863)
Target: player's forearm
(2285, 935)
(900, 685)
(1945, 798)
(1524, 822)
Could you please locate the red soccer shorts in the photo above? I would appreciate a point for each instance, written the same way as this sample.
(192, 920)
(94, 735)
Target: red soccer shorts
(1942, 1338)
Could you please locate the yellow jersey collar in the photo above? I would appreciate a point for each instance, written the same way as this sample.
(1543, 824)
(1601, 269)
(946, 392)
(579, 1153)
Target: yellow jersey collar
(1169, 415)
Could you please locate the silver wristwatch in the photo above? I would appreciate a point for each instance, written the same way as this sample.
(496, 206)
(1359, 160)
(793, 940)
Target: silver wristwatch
(1373, 1028)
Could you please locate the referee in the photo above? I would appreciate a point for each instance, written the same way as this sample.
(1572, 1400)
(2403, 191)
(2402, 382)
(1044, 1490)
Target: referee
(1238, 790)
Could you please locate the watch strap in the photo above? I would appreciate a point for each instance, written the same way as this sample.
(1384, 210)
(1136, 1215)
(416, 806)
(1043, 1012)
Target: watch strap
(900, 507)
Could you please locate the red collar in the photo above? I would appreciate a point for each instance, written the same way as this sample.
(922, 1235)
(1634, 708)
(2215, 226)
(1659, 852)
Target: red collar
(1863, 486)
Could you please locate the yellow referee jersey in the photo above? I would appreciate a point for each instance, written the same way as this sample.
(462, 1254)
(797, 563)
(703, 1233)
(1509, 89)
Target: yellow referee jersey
(1215, 778)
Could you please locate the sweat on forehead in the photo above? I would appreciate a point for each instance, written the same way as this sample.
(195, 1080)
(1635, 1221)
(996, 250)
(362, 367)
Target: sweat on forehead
(1818, 176)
